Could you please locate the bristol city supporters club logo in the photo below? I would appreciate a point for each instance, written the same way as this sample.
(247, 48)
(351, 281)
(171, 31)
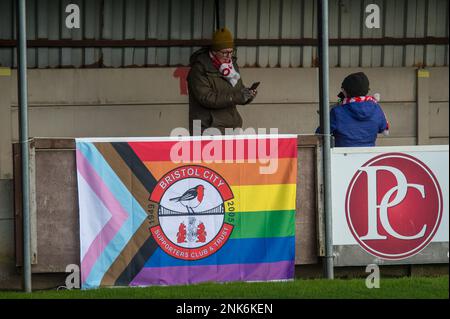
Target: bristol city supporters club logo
(187, 212)
(394, 206)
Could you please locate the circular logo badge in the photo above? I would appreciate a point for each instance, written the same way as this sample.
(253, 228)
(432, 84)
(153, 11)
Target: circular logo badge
(187, 212)
(393, 206)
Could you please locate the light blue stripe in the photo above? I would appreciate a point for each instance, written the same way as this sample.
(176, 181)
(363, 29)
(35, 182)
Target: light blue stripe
(126, 200)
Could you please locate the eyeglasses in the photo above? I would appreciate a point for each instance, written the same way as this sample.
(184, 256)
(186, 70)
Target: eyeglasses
(226, 53)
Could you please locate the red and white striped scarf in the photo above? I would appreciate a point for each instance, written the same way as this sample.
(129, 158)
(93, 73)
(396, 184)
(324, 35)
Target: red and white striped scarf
(226, 69)
(359, 99)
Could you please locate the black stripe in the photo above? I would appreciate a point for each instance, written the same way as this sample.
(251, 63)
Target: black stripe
(137, 263)
(135, 164)
(148, 180)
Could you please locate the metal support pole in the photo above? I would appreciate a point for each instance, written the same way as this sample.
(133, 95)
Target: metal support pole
(23, 137)
(219, 6)
(217, 18)
(325, 124)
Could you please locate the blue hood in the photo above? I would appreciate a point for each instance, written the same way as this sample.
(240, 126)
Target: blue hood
(361, 110)
(357, 124)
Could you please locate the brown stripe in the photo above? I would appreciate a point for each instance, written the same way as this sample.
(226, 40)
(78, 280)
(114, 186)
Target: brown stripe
(132, 183)
(127, 254)
(135, 187)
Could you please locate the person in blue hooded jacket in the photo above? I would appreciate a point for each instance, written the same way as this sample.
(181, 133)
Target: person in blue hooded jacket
(358, 118)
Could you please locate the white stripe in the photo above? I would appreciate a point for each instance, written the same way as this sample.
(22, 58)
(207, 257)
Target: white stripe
(183, 138)
(93, 215)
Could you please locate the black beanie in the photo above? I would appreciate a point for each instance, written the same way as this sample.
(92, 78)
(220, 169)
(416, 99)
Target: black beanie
(356, 84)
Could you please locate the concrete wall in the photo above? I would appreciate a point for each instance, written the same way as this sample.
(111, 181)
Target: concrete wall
(147, 102)
(152, 101)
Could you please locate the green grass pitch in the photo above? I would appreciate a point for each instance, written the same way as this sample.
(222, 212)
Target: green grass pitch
(390, 288)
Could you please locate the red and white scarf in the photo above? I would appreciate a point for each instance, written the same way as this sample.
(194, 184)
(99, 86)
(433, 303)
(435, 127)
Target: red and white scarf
(359, 99)
(226, 69)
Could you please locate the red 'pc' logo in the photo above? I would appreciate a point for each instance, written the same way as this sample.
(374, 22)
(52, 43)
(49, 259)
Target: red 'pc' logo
(393, 206)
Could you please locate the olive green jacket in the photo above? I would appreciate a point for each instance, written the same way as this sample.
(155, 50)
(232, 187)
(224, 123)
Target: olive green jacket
(212, 99)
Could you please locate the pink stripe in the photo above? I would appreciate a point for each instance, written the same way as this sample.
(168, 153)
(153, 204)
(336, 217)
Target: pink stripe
(119, 215)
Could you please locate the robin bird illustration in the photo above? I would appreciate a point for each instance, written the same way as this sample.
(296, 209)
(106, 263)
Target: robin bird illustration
(191, 198)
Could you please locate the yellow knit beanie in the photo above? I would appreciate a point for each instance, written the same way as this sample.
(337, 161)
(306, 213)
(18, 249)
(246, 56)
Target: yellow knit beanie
(222, 39)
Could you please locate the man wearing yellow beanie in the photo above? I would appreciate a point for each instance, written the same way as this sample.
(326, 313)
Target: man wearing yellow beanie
(222, 39)
(215, 85)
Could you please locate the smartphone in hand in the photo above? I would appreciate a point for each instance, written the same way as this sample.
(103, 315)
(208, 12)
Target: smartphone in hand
(254, 86)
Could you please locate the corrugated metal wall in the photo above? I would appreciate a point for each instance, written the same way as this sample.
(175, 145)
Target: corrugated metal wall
(247, 19)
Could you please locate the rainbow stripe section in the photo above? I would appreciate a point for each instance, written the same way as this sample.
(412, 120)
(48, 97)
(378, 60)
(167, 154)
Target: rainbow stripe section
(115, 182)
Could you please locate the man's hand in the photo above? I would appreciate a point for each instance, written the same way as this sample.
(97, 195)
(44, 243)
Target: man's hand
(244, 96)
(249, 95)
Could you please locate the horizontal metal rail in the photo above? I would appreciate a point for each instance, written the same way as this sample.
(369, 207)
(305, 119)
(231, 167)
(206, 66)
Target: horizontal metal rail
(92, 43)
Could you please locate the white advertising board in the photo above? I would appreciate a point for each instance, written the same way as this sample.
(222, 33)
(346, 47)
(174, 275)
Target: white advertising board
(390, 204)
